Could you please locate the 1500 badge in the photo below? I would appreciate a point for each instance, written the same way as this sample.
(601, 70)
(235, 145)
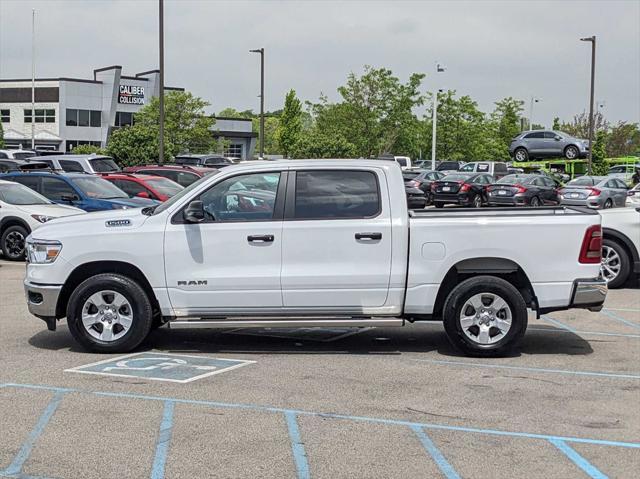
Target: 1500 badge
(112, 223)
(193, 283)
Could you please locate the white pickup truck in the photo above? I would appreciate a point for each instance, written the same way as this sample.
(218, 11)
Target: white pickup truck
(311, 243)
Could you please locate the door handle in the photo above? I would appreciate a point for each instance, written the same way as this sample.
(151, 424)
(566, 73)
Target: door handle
(369, 236)
(260, 238)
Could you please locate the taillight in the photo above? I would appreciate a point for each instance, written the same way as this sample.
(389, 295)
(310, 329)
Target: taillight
(521, 189)
(465, 187)
(595, 192)
(591, 250)
(414, 184)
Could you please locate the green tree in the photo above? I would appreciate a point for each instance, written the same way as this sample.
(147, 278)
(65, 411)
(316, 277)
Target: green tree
(556, 124)
(506, 117)
(598, 166)
(186, 129)
(290, 126)
(88, 149)
(1, 136)
(623, 140)
(579, 125)
(271, 124)
(317, 145)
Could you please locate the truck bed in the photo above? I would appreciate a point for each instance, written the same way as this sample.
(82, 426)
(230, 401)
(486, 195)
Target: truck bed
(506, 211)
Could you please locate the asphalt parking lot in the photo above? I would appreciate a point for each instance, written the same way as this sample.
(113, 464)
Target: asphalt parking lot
(322, 403)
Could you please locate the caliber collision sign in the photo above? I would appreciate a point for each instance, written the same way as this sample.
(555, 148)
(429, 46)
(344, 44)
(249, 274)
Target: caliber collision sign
(131, 95)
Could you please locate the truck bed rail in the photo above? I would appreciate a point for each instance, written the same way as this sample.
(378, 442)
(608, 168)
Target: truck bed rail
(505, 211)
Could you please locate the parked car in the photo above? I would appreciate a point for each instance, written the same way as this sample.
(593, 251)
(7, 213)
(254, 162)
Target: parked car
(620, 245)
(144, 186)
(497, 169)
(515, 171)
(633, 196)
(423, 181)
(87, 192)
(416, 199)
(332, 251)
(21, 165)
(17, 154)
(423, 164)
(594, 192)
(623, 172)
(182, 174)
(211, 161)
(466, 189)
(449, 166)
(403, 161)
(22, 210)
(80, 163)
(533, 144)
(523, 190)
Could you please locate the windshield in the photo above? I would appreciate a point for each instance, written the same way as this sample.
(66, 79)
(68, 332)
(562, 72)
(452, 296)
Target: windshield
(455, 177)
(511, 179)
(21, 195)
(187, 161)
(165, 186)
(104, 165)
(584, 181)
(23, 155)
(175, 198)
(99, 188)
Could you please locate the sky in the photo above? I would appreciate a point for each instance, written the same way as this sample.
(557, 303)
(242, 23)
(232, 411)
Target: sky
(490, 49)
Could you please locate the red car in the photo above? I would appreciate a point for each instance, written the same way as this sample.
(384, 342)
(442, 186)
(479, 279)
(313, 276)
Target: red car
(183, 175)
(144, 186)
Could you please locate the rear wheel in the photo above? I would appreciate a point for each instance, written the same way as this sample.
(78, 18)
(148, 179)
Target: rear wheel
(485, 316)
(13, 242)
(615, 266)
(477, 201)
(438, 204)
(608, 204)
(535, 202)
(109, 313)
(571, 152)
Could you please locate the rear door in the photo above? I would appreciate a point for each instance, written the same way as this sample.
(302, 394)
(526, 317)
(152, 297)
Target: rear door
(535, 142)
(336, 251)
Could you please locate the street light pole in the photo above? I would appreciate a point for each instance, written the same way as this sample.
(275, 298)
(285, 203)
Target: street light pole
(33, 78)
(434, 119)
(161, 91)
(261, 52)
(533, 100)
(591, 39)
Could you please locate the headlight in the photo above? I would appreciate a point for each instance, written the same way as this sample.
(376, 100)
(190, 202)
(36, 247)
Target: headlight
(43, 218)
(43, 252)
(120, 207)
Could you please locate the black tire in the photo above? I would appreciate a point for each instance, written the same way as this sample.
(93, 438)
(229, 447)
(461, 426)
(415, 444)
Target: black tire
(476, 202)
(625, 263)
(607, 204)
(478, 285)
(535, 202)
(135, 295)
(13, 242)
(438, 204)
(520, 152)
(571, 152)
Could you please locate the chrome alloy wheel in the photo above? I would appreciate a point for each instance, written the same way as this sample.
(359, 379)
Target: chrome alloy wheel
(610, 264)
(485, 318)
(107, 315)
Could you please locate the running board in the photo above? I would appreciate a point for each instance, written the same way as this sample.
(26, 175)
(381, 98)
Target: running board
(286, 323)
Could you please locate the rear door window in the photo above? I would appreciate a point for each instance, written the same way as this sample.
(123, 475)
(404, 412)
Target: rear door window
(32, 182)
(336, 194)
(483, 167)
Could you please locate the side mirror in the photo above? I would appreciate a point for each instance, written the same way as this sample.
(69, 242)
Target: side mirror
(143, 194)
(194, 212)
(557, 138)
(69, 198)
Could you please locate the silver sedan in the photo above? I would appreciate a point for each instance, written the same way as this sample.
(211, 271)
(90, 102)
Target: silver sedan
(594, 192)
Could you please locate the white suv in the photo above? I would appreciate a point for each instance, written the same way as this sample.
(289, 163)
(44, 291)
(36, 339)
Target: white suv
(17, 154)
(21, 211)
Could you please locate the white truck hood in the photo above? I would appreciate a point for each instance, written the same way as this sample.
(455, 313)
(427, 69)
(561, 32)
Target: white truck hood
(53, 210)
(107, 221)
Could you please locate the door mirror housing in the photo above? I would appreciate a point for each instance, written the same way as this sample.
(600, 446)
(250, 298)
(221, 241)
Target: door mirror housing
(69, 198)
(557, 138)
(143, 194)
(194, 212)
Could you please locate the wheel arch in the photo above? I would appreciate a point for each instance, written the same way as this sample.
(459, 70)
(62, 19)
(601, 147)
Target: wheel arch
(503, 268)
(86, 270)
(13, 221)
(615, 235)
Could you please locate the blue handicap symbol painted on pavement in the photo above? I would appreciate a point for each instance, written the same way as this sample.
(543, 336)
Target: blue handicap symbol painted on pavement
(181, 368)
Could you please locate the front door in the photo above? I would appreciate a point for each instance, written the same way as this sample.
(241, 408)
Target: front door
(336, 252)
(231, 261)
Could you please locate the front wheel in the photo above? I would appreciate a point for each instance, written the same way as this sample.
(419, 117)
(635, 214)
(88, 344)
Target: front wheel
(485, 316)
(438, 204)
(109, 313)
(13, 242)
(521, 155)
(571, 153)
(535, 202)
(477, 201)
(615, 265)
(607, 204)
